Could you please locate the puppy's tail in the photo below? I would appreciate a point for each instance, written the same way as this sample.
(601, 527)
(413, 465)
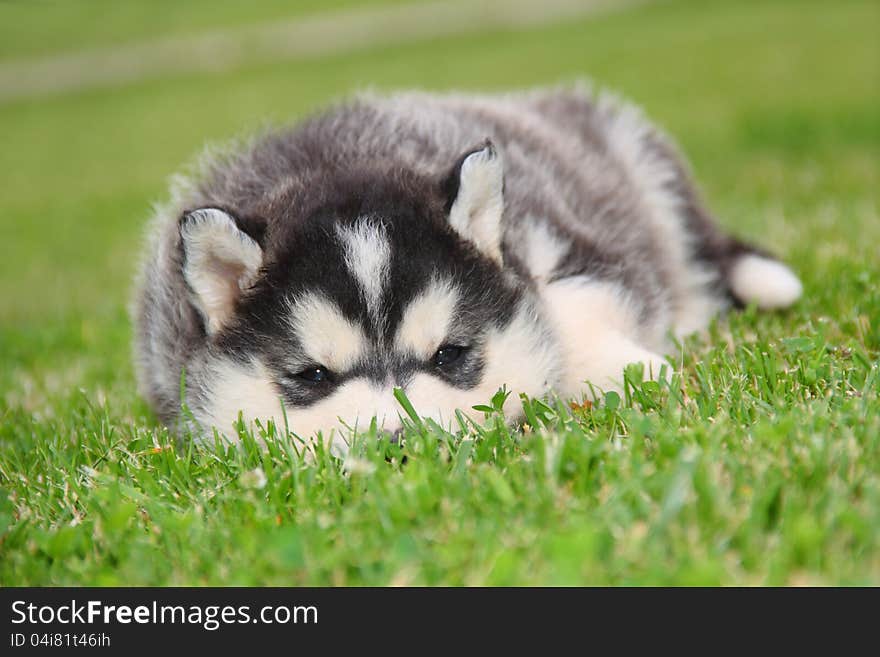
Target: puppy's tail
(755, 277)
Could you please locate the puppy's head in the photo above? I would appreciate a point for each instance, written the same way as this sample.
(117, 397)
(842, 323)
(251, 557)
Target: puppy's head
(377, 280)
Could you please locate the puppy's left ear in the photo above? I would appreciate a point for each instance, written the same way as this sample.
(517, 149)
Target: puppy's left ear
(475, 198)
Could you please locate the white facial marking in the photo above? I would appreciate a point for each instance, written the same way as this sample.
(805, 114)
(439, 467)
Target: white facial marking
(427, 319)
(765, 282)
(240, 387)
(593, 321)
(523, 355)
(368, 258)
(221, 261)
(477, 210)
(326, 336)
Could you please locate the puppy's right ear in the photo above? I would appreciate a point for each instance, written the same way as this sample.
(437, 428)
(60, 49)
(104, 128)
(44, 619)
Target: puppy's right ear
(220, 261)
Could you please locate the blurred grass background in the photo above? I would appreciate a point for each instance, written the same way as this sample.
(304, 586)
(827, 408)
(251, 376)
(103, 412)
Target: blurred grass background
(53, 26)
(775, 102)
(765, 96)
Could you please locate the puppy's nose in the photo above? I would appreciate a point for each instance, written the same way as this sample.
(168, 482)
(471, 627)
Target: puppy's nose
(394, 437)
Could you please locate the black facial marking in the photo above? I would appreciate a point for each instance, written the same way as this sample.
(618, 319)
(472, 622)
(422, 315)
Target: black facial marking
(460, 367)
(447, 355)
(315, 374)
(304, 256)
(302, 389)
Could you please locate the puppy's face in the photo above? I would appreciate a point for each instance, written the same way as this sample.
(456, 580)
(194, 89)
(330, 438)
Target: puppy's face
(379, 289)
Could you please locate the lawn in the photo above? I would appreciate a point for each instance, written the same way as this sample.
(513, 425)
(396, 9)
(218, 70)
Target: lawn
(759, 465)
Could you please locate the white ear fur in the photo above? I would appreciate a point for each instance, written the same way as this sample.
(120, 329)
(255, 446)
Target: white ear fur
(220, 262)
(476, 212)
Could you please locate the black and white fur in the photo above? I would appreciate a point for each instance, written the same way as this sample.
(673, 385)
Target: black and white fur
(443, 244)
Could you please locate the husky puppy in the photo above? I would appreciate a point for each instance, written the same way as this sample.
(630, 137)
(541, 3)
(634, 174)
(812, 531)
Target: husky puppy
(443, 244)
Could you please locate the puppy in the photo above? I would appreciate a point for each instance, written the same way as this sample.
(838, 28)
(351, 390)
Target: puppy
(442, 244)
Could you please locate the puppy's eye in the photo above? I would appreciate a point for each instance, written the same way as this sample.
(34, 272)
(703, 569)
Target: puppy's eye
(448, 354)
(315, 374)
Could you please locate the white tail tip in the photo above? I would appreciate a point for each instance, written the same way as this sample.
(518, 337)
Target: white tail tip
(766, 283)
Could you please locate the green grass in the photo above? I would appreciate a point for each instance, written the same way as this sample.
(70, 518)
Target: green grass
(49, 27)
(760, 466)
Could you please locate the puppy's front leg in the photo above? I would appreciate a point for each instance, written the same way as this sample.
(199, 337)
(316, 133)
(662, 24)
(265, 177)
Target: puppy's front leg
(600, 359)
(596, 330)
